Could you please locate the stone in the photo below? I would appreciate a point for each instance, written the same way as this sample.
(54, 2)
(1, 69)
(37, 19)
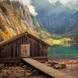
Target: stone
(59, 66)
(50, 61)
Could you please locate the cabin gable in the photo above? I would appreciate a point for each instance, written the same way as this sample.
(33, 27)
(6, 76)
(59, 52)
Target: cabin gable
(12, 48)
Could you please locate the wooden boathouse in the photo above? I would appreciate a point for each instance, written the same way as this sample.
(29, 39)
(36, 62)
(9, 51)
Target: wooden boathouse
(25, 47)
(21, 46)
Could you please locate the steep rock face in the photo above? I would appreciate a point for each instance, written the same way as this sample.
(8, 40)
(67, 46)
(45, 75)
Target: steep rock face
(52, 16)
(24, 12)
(14, 19)
(72, 23)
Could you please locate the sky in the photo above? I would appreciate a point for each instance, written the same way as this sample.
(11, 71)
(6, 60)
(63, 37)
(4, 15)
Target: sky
(65, 1)
(30, 6)
(73, 4)
(70, 3)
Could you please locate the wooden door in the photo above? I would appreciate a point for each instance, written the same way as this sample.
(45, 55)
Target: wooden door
(25, 50)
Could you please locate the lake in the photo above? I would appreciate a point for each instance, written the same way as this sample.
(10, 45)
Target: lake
(59, 52)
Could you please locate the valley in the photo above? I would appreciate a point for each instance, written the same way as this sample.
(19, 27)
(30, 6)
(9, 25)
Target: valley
(41, 34)
(51, 26)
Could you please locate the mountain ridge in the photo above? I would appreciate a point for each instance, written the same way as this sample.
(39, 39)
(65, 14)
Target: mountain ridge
(52, 16)
(17, 19)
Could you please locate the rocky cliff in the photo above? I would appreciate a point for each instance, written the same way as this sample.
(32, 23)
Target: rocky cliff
(52, 16)
(14, 19)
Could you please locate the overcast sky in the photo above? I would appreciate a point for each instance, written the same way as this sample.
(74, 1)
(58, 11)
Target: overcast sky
(70, 3)
(65, 1)
(30, 6)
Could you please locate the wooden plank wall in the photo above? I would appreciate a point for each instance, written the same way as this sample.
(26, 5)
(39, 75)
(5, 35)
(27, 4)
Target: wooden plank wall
(12, 49)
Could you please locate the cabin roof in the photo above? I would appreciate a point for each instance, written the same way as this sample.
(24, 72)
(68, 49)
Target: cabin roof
(21, 35)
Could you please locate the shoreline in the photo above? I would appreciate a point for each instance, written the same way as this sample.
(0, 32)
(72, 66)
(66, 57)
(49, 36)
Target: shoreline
(70, 69)
(22, 70)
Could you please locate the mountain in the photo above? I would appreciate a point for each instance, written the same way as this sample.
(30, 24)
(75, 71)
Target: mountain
(52, 16)
(72, 23)
(15, 18)
(71, 26)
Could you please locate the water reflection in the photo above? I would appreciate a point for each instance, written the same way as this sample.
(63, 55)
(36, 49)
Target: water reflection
(67, 44)
(61, 52)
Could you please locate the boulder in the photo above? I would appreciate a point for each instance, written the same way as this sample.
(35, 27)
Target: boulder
(59, 66)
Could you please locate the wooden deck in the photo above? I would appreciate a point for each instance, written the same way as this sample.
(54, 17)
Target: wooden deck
(46, 69)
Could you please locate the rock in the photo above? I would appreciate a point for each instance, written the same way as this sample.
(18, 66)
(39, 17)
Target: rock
(15, 65)
(4, 76)
(21, 64)
(10, 64)
(53, 64)
(35, 72)
(72, 62)
(24, 66)
(63, 66)
(6, 67)
(59, 66)
(0, 71)
(50, 61)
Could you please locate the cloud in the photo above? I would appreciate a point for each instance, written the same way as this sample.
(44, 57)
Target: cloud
(64, 1)
(73, 4)
(30, 6)
(52, 1)
(70, 3)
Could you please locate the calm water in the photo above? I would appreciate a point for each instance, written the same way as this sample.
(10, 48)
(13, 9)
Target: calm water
(63, 53)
